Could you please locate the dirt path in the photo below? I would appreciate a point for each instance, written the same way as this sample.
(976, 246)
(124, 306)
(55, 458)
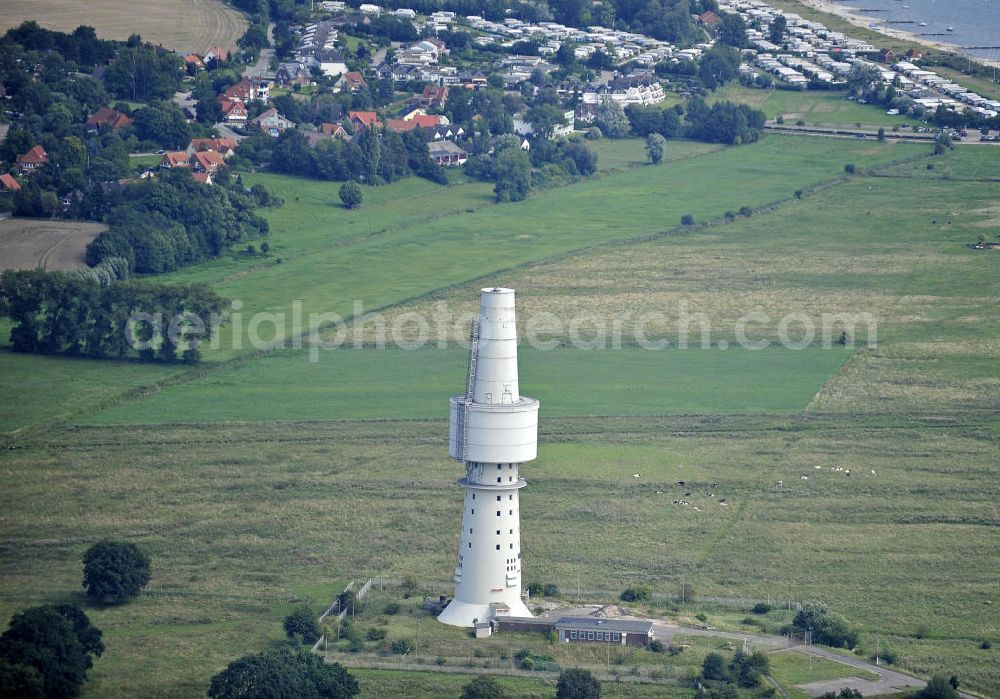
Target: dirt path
(51, 245)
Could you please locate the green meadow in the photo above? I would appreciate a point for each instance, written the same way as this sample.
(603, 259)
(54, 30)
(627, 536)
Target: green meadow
(814, 107)
(864, 476)
(366, 384)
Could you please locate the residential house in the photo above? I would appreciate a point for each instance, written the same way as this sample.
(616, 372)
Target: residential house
(433, 97)
(234, 112)
(203, 177)
(34, 158)
(334, 130)
(175, 158)
(207, 161)
(364, 120)
(447, 153)
(272, 123)
(331, 62)
(633, 89)
(8, 183)
(105, 116)
(193, 59)
(248, 90)
(290, 74)
(589, 629)
(223, 146)
(216, 53)
(351, 81)
(709, 19)
(472, 81)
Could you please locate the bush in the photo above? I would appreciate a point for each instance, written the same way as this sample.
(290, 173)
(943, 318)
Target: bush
(550, 590)
(702, 617)
(483, 687)
(714, 668)
(375, 634)
(351, 195)
(114, 571)
(637, 593)
(827, 628)
(849, 168)
(301, 623)
(656, 646)
(578, 684)
(403, 646)
(746, 211)
(687, 220)
(534, 589)
(985, 645)
(391, 609)
(761, 608)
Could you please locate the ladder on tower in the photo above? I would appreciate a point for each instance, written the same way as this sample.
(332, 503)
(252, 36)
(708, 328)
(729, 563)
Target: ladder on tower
(462, 428)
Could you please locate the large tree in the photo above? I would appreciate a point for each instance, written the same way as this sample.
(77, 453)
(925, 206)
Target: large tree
(513, 175)
(114, 571)
(53, 644)
(282, 673)
(611, 119)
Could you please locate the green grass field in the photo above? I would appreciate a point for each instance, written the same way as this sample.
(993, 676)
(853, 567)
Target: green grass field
(429, 237)
(814, 107)
(364, 384)
(270, 480)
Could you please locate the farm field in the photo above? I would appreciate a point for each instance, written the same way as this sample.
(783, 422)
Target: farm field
(53, 245)
(866, 479)
(205, 23)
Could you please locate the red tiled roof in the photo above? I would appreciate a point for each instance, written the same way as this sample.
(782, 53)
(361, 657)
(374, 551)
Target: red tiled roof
(366, 118)
(401, 125)
(105, 116)
(426, 121)
(9, 183)
(176, 158)
(208, 160)
(35, 156)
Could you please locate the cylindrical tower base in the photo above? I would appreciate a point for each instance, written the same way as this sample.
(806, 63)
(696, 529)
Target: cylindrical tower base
(465, 614)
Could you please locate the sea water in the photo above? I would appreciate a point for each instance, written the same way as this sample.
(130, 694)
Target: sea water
(974, 22)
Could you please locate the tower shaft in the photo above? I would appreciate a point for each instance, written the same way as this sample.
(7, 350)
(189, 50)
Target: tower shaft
(493, 431)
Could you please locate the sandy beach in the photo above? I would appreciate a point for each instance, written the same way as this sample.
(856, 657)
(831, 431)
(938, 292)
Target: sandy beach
(852, 15)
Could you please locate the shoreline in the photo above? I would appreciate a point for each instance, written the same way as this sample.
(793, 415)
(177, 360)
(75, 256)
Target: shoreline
(855, 17)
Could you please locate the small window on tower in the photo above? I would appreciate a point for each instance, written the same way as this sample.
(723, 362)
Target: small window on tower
(473, 510)
(473, 496)
(499, 478)
(510, 497)
(512, 511)
(498, 532)
(498, 498)
(470, 544)
(470, 530)
(498, 547)
(498, 513)
(512, 545)
(498, 467)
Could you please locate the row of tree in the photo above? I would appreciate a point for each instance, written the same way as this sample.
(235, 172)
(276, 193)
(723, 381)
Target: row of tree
(66, 313)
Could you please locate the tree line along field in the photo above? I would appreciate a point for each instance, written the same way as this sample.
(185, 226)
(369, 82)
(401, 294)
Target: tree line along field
(180, 25)
(242, 517)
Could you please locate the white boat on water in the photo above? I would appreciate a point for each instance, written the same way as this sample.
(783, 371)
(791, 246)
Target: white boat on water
(923, 24)
(951, 29)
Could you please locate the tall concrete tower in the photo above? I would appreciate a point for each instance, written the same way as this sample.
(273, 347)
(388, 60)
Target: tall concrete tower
(494, 429)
